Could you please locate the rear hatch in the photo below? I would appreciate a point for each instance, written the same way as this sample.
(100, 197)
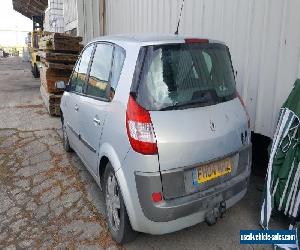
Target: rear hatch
(189, 90)
(192, 136)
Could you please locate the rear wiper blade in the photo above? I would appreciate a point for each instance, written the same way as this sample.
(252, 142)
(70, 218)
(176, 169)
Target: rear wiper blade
(181, 105)
(171, 107)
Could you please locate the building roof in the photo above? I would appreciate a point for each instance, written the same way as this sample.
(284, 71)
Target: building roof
(30, 8)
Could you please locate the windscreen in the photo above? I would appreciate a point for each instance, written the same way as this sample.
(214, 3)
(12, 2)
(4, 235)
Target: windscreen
(179, 76)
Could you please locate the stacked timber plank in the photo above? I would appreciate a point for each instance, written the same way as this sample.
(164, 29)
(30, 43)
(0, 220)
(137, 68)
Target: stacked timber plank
(51, 101)
(58, 54)
(60, 42)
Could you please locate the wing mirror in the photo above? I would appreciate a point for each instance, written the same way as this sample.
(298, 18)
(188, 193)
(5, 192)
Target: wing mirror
(60, 85)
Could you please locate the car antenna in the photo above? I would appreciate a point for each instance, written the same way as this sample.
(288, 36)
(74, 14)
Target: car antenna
(179, 18)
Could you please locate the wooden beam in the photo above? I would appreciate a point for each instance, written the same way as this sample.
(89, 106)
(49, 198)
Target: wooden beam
(36, 3)
(30, 8)
(22, 9)
(58, 57)
(39, 4)
(29, 12)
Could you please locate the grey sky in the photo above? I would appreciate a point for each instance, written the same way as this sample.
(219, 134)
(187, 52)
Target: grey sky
(12, 20)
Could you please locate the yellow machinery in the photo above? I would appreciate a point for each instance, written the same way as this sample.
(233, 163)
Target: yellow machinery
(33, 45)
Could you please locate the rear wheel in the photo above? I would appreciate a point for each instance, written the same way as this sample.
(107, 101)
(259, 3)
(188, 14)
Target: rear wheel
(116, 214)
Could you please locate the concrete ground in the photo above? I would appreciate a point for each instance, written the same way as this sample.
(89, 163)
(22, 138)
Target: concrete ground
(48, 199)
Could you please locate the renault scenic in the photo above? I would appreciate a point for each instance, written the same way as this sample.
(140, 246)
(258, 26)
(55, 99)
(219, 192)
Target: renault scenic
(159, 124)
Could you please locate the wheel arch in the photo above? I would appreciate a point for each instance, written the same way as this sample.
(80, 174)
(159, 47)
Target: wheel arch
(108, 155)
(102, 166)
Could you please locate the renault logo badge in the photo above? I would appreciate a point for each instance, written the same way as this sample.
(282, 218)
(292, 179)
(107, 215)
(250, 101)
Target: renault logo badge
(212, 126)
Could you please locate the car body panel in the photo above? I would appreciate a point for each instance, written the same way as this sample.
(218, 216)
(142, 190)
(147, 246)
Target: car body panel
(114, 140)
(195, 135)
(70, 102)
(92, 117)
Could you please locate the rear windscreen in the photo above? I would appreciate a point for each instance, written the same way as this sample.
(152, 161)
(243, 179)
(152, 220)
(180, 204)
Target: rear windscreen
(179, 76)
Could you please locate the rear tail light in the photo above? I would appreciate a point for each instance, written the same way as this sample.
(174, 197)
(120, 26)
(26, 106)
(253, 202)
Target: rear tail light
(140, 129)
(156, 197)
(244, 106)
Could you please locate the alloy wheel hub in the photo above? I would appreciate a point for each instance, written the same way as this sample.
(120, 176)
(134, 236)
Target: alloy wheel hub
(113, 202)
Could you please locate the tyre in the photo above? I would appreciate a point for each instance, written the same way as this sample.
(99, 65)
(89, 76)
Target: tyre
(66, 143)
(35, 71)
(116, 214)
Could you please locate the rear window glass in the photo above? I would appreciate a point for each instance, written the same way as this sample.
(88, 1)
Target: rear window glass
(178, 76)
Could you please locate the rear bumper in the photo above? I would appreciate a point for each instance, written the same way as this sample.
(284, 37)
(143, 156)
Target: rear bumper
(168, 210)
(177, 213)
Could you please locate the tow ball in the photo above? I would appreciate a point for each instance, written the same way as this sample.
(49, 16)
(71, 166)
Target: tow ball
(212, 216)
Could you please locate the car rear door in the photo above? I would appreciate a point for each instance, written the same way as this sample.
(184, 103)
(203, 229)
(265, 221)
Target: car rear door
(95, 105)
(73, 98)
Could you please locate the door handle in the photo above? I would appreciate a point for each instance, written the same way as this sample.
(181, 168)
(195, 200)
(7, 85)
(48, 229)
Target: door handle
(76, 107)
(97, 121)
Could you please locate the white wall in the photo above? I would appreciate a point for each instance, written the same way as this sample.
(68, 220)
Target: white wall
(263, 36)
(70, 14)
(54, 16)
(84, 15)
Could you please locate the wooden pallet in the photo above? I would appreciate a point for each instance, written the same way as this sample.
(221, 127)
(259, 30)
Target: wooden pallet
(50, 76)
(58, 66)
(51, 101)
(55, 57)
(60, 42)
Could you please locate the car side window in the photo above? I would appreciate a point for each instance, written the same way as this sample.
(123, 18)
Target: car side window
(99, 76)
(73, 77)
(79, 75)
(118, 61)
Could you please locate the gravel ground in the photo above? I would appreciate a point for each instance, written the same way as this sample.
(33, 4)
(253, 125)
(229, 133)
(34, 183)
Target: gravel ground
(48, 199)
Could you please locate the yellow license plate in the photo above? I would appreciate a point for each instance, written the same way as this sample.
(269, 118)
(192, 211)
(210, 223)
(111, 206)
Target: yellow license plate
(214, 170)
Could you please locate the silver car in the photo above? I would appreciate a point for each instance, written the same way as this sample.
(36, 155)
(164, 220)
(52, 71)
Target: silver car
(159, 124)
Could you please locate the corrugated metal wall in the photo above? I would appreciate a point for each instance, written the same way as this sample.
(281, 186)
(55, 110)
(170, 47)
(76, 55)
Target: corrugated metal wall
(88, 19)
(70, 14)
(54, 16)
(263, 36)
(84, 15)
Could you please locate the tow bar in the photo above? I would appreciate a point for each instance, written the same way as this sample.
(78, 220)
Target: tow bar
(212, 216)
